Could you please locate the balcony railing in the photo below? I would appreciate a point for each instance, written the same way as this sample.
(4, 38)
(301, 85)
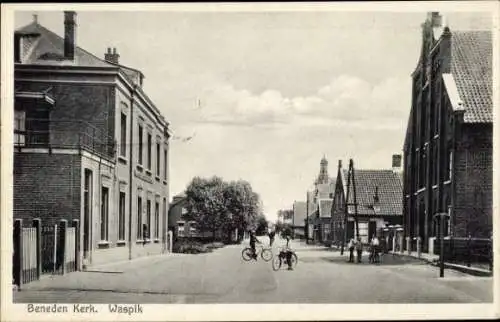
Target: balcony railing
(68, 134)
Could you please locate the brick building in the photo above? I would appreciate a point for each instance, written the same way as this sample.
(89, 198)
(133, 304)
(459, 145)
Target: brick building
(318, 219)
(378, 195)
(448, 144)
(89, 145)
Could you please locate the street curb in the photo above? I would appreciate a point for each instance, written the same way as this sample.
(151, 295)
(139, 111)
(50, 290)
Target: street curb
(463, 269)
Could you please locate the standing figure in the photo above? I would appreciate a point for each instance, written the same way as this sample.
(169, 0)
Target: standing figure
(272, 234)
(359, 249)
(351, 245)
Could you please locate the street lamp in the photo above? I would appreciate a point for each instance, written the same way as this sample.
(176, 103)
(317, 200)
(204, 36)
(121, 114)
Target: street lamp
(441, 216)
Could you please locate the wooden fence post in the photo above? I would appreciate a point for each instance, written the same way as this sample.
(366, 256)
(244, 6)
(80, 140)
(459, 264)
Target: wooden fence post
(17, 264)
(62, 244)
(469, 253)
(76, 225)
(37, 224)
(490, 251)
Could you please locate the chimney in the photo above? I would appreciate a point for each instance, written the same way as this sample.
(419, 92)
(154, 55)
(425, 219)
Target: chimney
(111, 57)
(396, 162)
(435, 19)
(69, 35)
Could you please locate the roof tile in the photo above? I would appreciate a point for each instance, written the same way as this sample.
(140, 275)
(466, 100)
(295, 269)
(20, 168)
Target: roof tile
(471, 67)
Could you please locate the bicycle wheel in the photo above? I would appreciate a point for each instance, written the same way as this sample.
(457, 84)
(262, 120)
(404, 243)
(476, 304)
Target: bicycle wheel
(276, 263)
(294, 260)
(266, 254)
(246, 254)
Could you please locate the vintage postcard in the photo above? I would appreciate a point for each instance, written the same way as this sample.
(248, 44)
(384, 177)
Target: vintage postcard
(250, 161)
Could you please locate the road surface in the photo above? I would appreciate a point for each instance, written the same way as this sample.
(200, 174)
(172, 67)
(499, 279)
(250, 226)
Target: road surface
(321, 276)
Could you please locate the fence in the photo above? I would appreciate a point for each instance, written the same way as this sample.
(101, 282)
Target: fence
(468, 251)
(44, 250)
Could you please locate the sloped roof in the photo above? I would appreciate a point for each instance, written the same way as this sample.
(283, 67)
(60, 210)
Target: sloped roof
(47, 48)
(42, 46)
(325, 207)
(390, 192)
(471, 67)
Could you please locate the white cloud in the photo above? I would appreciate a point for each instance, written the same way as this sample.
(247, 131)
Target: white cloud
(346, 101)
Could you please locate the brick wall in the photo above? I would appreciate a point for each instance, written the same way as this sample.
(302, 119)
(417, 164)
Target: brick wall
(474, 181)
(94, 104)
(47, 187)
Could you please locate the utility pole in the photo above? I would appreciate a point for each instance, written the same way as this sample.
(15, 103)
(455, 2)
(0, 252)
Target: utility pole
(346, 210)
(351, 165)
(441, 216)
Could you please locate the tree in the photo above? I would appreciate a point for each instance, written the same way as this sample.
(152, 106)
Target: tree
(214, 204)
(205, 203)
(243, 204)
(262, 225)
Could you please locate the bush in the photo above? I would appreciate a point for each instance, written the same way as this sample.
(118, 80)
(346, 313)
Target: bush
(214, 245)
(190, 247)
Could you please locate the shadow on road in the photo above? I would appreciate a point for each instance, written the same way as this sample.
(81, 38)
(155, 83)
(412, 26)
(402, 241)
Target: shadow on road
(387, 260)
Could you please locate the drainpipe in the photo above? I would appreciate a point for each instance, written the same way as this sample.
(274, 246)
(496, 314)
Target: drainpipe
(131, 171)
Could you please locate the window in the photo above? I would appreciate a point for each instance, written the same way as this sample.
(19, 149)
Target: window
(180, 228)
(158, 159)
(19, 127)
(147, 233)
(157, 220)
(140, 152)
(121, 217)
(123, 135)
(149, 151)
(165, 164)
(139, 217)
(104, 212)
(363, 231)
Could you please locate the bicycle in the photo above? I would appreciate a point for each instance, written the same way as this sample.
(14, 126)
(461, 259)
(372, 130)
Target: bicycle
(281, 258)
(265, 253)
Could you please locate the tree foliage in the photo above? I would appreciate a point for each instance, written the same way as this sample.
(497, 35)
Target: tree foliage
(215, 204)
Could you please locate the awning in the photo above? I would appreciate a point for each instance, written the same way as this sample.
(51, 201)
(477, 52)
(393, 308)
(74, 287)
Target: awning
(46, 98)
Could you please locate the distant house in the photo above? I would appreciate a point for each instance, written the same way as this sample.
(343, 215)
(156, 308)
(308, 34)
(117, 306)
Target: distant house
(299, 217)
(448, 149)
(379, 202)
(182, 226)
(316, 222)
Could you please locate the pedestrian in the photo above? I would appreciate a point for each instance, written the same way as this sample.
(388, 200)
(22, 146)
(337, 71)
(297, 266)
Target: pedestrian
(272, 234)
(359, 249)
(351, 249)
(374, 245)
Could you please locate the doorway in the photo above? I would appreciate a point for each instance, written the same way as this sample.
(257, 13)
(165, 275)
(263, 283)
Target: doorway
(87, 212)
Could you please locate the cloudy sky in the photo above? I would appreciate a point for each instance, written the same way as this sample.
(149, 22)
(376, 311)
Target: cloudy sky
(266, 95)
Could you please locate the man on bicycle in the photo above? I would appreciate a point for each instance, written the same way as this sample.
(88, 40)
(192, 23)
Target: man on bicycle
(288, 253)
(253, 240)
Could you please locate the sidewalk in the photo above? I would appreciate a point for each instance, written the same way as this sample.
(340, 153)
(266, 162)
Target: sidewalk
(434, 260)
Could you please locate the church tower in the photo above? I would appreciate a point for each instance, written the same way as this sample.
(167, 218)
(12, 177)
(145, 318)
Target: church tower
(323, 172)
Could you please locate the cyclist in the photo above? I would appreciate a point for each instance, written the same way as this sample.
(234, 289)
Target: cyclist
(253, 240)
(288, 252)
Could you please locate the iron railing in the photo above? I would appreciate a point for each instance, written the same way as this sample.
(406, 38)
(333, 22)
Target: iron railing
(42, 133)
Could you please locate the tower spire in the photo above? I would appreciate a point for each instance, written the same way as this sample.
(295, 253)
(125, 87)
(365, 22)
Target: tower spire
(323, 171)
